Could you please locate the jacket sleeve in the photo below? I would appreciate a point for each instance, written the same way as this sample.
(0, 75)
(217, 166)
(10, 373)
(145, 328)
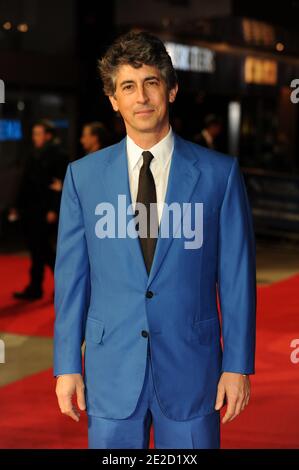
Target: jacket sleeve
(72, 282)
(237, 276)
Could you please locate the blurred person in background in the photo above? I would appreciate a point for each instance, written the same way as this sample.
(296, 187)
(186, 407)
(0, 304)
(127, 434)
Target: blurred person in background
(94, 137)
(37, 204)
(212, 129)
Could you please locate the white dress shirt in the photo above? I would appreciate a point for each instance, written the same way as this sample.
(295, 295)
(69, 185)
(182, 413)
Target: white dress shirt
(160, 166)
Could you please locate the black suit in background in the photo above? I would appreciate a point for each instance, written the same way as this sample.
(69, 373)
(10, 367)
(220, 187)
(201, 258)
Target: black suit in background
(35, 199)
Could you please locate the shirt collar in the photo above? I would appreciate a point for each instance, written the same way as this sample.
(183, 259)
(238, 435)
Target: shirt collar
(162, 150)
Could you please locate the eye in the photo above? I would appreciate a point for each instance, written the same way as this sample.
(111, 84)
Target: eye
(127, 87)
(152, 82)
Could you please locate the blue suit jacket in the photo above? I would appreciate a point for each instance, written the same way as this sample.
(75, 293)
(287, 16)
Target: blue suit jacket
(101, 285)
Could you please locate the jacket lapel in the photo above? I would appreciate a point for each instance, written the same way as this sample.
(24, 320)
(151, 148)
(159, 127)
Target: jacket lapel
(183, 176)
(116, 182)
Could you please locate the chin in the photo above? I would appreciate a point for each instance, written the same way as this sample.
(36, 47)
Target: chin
(146, 125)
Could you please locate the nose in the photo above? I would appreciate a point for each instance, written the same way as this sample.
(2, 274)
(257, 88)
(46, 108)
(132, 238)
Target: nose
(141, 95)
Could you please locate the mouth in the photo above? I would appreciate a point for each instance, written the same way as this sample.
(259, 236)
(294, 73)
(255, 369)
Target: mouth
(144, 112)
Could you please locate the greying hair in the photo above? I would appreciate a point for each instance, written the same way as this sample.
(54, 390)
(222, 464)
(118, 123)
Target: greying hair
(135, 49)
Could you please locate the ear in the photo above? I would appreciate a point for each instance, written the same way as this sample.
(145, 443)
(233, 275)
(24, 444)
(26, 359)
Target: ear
(113, 102)
(172, 94)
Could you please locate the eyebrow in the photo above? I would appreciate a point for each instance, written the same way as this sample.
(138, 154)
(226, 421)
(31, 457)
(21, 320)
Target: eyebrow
(152, 77)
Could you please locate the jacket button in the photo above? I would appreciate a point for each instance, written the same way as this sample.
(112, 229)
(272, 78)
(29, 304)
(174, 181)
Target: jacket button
(149, 294)
(144, 333)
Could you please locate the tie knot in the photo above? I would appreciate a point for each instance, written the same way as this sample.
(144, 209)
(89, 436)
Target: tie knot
(147, 158)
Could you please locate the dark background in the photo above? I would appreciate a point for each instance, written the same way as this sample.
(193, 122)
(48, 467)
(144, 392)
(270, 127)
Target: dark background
(48, 62)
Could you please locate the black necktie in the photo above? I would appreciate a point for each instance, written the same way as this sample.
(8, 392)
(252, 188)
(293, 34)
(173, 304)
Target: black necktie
(147, 194)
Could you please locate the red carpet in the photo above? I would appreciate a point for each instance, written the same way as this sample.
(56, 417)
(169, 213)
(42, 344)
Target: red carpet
(25, 318)
(30, 417)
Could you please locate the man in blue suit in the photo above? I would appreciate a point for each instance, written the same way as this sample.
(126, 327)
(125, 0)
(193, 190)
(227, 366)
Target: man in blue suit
(145, 303)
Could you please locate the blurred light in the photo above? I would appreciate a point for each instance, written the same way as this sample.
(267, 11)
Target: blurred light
(260, 71)
(257, 32)
(7, 25)
(193, 58)
(23, 27)
(10, 130)
(279, 47)
(234, 124)
(21, 105)
(50, 100)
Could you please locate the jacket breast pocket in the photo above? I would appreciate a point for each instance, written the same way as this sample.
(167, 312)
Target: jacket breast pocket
(94, 330)
(207, 331)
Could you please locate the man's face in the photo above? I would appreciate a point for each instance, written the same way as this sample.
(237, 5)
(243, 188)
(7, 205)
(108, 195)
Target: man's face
(142, 98)
(88, 140)
(40, 137)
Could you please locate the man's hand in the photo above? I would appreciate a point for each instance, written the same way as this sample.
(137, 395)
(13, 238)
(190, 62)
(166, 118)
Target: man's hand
(236, 389)
(66, 386)
(51, 217)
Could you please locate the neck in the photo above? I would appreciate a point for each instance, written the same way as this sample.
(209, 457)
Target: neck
(146, 140)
